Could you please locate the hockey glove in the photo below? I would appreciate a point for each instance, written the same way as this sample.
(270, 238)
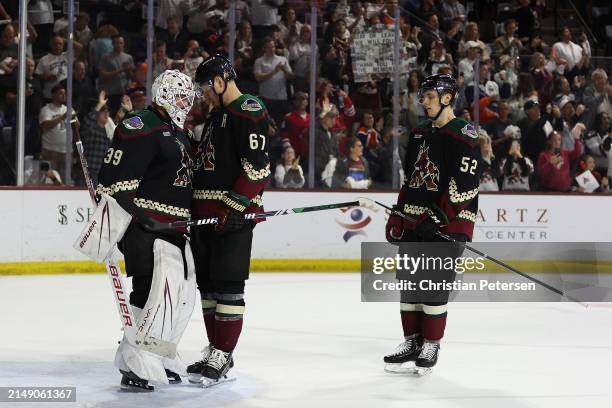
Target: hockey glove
(426, 229)
(395, 227)
(230, 215)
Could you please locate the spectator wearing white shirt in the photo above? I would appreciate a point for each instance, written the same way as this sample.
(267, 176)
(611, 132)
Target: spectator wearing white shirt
(569, 56)
(466, 65)
(53, 67)
(299, 55)
(52, 120)
(273, 73)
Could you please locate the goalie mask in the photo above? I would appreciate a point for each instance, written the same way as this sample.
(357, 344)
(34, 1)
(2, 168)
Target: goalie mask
(174, 92)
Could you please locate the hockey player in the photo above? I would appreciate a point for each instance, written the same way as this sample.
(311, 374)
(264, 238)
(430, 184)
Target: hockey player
(147, 170)
(440, 192)
(231, 169)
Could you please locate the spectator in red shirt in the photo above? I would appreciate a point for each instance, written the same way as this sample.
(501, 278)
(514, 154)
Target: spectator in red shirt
(554, 163)
(332, 98)
(295, 126)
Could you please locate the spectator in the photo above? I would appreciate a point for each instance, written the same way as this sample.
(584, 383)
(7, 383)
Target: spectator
(102, 43)
(264, 14)
(508, 43)
(96, 133)
(53, 67)
(244, 41)
(411, 97)
(466, 65)
(593, 141)
(40, 15)
(83, 92)
(52, 120)
(356, 19)
(289, 27)
(490, 172)
(353, 171)
(566, 117)
(554, 163)
(8, 46)
(289, 173)
(272, 72)
(281, 48)
(569, 56)
(502, 130)
(534, 130)
(371, 141)
(161, 61)
(587, 163)
(139, 101)
(333, 64)
(452, 11)
(374, 8)
(472, 34)
(175, 38)
(562, 90)
(429, 36)
(542, 76)
(116, 71)
(341, 37)
(299, 54)
(438, 57)
(488, 94)
(296, 124)
(526, 19)
(192, 58)
(326, 151)
(388, 13)
(33, 104)
(516, 169)
(597, 96)
(82, 36)
(506, 78)
(331, 98)
(608, 151)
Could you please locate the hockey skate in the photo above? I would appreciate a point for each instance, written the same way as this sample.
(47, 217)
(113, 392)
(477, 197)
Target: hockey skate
(214, 371)
(427, 359)
(402, 361)
(130, 382)
(195, 370)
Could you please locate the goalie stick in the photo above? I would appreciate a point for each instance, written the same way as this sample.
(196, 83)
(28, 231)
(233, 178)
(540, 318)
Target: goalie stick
(135, 335)
(266, 214)
(490, 258)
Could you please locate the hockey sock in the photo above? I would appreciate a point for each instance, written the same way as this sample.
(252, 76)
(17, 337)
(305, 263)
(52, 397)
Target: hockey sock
(228, 321)
(208, 311)
(412, 317)
(434, 322)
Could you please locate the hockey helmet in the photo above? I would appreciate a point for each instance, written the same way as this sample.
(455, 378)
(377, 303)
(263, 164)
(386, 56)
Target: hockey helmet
(216, 65)
(174, 92)
(441, 83)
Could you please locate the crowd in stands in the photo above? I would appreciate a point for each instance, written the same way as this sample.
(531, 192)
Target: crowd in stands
(543, 109)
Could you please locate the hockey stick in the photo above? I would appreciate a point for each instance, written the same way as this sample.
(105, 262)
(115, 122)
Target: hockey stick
(266, 214)
(134, 335)
(490, 258)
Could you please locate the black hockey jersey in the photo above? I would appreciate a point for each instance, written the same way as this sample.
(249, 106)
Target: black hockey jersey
(232, 155)
(443, 168)
(149, 161)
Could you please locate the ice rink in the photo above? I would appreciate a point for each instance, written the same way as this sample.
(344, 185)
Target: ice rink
(308, 341)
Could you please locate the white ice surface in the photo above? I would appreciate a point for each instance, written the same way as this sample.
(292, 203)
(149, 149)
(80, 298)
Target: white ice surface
(308, 341)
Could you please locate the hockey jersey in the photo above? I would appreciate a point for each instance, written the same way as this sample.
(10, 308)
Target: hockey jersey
(149, 163)
(232, 155)
(443, 167)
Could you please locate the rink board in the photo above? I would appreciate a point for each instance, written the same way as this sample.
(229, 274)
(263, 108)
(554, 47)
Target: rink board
(39, 227)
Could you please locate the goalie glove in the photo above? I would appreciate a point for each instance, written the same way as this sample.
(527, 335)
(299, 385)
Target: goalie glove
(230, 213)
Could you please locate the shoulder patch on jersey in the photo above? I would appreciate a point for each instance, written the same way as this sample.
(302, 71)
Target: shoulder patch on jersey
(251, 105)
(469, 131)
(133, 123)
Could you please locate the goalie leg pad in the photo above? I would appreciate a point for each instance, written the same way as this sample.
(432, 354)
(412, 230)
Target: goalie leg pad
(144, 364)
(172, 297)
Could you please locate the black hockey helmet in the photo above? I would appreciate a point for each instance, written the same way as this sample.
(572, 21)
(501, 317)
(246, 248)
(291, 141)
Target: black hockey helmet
(216, 65)
(441, 83)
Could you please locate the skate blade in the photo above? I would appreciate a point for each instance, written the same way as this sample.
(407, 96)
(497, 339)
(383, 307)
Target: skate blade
(134, 390)
(195, 378)
(207, 382)
(408, 369)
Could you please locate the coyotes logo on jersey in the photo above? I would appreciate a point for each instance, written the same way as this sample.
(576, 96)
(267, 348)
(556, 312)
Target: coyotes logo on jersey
(425, 171)
(184, 174)
(205, 156)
